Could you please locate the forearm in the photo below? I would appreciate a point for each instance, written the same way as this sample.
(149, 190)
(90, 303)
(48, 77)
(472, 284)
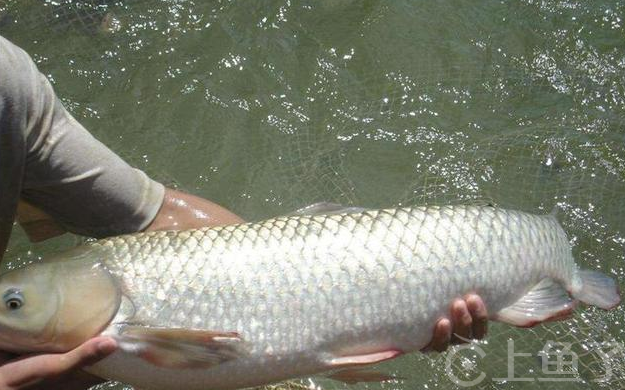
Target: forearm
(184, 211)
(178, 211)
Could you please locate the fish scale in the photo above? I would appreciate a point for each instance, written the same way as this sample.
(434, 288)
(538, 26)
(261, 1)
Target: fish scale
(300, 287)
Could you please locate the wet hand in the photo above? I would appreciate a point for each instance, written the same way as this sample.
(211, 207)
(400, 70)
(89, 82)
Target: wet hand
(52, 371)
(469, 320)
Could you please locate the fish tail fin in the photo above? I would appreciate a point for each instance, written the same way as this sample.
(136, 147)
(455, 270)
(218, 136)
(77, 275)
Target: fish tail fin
(597, 289)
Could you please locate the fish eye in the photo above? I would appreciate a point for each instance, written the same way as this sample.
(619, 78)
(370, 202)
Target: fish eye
(13, 299)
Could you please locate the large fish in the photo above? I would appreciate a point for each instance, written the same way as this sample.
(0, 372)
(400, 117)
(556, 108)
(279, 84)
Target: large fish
(255, 303)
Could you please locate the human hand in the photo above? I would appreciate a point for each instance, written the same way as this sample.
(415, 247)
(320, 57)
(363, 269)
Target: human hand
(469, 320)
(55, 371)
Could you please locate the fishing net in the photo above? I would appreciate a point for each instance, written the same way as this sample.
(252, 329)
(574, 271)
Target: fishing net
(268, 106)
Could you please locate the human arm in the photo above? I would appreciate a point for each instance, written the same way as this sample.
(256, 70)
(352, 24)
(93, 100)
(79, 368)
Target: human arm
(185, 211)
(179, 210)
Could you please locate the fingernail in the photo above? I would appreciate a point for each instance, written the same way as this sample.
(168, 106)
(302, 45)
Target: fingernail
(107, 346)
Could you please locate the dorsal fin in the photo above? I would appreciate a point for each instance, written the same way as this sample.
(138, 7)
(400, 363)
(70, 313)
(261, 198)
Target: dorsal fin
(481, 202)
(327, 208)
(554, 211)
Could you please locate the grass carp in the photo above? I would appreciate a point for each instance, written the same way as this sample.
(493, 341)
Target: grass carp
(249, 304)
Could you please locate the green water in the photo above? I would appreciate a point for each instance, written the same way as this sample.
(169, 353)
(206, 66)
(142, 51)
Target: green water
(265, 107)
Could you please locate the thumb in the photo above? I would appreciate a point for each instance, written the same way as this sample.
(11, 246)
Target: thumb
(86, 354)
(40, 367)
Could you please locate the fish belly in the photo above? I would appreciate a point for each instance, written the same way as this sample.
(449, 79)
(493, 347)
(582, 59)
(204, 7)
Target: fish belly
(301, 290)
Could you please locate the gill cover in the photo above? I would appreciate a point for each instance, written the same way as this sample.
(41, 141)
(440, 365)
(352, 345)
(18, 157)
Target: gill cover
(55, 305)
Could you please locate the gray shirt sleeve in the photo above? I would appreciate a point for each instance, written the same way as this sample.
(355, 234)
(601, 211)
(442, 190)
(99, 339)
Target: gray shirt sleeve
(65, 171)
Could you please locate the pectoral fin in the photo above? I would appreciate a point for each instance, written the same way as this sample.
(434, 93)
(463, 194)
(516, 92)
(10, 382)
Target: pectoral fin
(547, 301)
(181, 348)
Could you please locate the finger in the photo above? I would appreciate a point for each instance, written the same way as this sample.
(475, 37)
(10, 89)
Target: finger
(462, 322)
(87, 354)
(441, 337)
(478, 312)
(36, 368)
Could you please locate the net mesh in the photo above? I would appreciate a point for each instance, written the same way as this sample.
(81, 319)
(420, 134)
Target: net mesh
(266, 107)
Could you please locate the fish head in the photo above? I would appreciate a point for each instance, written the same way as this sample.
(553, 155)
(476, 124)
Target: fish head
(55, 306)
(27, 307)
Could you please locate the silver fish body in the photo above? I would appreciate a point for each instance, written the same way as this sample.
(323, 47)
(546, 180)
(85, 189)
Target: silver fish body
(304, 290)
